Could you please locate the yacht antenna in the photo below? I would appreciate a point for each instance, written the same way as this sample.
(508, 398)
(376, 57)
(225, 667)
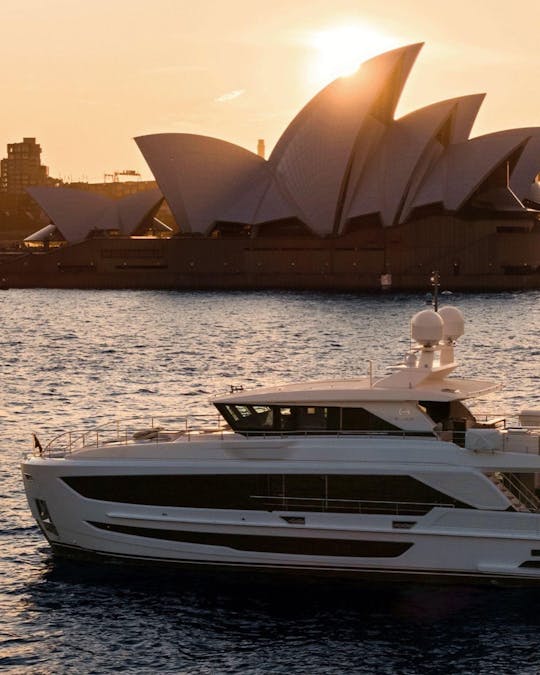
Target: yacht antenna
(435, 280)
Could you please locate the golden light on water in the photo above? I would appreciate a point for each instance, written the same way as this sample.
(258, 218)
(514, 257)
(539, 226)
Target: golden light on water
(341, 49)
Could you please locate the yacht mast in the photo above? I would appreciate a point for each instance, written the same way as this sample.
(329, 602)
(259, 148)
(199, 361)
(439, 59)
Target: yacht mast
(435, 280)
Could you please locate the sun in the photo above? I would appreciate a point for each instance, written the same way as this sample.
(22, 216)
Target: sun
(340, 50)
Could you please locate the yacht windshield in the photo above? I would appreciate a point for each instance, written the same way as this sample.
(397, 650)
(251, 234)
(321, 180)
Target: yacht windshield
(307, 419)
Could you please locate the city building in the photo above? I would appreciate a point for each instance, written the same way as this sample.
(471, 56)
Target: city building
(22, 167)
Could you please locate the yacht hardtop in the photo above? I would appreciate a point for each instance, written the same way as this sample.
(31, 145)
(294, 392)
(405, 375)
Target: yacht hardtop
(410, 398)
(405, 385)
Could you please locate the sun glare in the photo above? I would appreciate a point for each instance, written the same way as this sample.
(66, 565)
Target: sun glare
(341, 50)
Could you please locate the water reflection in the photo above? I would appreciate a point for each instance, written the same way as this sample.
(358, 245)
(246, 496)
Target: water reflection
(240, 621)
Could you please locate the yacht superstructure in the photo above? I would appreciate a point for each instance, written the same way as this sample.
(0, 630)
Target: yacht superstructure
(391, 476)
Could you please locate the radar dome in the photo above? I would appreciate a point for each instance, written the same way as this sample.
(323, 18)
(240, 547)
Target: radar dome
(454, 324)
(427, 328)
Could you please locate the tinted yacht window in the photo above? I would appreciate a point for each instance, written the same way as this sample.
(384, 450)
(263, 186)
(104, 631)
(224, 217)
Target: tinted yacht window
(268, 492)
(358, 419)
(294, 419)
(248, 417)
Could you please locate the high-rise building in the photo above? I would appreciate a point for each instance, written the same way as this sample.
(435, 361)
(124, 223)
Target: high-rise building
(22, 167)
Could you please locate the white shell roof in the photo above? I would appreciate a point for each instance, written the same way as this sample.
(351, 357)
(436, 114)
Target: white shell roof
(473, 162)
(343, 156)
(76, 212)
(314, 153)
(46, 233)
(134, 210)
(205, 179)
(275, 205)
(464, 167)
(458, 126)
(527, 167)
(418, 140)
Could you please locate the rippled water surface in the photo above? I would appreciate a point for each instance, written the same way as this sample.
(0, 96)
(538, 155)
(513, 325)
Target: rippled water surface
(74, 358)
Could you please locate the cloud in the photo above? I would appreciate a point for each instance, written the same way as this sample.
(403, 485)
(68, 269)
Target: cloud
(230, 96)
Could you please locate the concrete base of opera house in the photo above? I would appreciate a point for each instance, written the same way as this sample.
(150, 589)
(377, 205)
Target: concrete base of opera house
(470, 255)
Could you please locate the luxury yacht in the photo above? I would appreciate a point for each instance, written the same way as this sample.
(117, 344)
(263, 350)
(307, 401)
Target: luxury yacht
(391, 476)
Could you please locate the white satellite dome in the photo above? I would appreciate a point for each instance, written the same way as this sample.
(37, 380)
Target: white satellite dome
(427, 327)
(454, 323)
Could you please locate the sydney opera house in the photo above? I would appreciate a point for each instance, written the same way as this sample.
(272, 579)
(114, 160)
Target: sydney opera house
(348, 195)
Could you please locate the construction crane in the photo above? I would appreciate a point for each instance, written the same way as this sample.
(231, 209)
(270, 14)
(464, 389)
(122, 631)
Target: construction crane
(114, 177)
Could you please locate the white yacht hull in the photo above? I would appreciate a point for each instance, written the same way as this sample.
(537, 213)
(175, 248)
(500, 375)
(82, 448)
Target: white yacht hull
(445, 544)
(391, 476)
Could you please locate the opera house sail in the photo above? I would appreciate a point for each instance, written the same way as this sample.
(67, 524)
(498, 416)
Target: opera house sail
(348, 194)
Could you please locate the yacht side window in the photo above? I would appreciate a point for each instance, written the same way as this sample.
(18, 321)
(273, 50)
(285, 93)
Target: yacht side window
(305, 418)
(248, 417)
(265, 416)
(311, 418)
(286, 419)
(308, 419)
(359, 419)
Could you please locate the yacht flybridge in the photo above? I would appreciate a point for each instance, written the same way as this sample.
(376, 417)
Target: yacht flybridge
(392, 476)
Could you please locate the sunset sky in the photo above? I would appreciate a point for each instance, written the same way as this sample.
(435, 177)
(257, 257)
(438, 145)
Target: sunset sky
(85, 77)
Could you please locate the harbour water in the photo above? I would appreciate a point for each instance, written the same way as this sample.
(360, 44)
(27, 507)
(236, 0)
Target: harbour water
(72, 359)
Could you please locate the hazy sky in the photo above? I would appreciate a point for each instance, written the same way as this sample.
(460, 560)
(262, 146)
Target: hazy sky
(86, 76)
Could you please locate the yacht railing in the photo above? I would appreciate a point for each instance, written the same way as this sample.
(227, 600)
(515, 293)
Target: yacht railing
(525, 496)
(190, 428)
(196, 427)
(495, 421)
(345, 433)
(123, 432)
(322, 504)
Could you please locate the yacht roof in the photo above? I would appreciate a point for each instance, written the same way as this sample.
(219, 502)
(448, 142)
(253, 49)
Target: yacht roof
(359, 390)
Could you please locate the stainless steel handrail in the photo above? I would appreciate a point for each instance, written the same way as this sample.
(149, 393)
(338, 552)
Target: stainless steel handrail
(123, 431)
(496, 420)
(193, 426)
(361, 505)
(520, 491)
(400, 433)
